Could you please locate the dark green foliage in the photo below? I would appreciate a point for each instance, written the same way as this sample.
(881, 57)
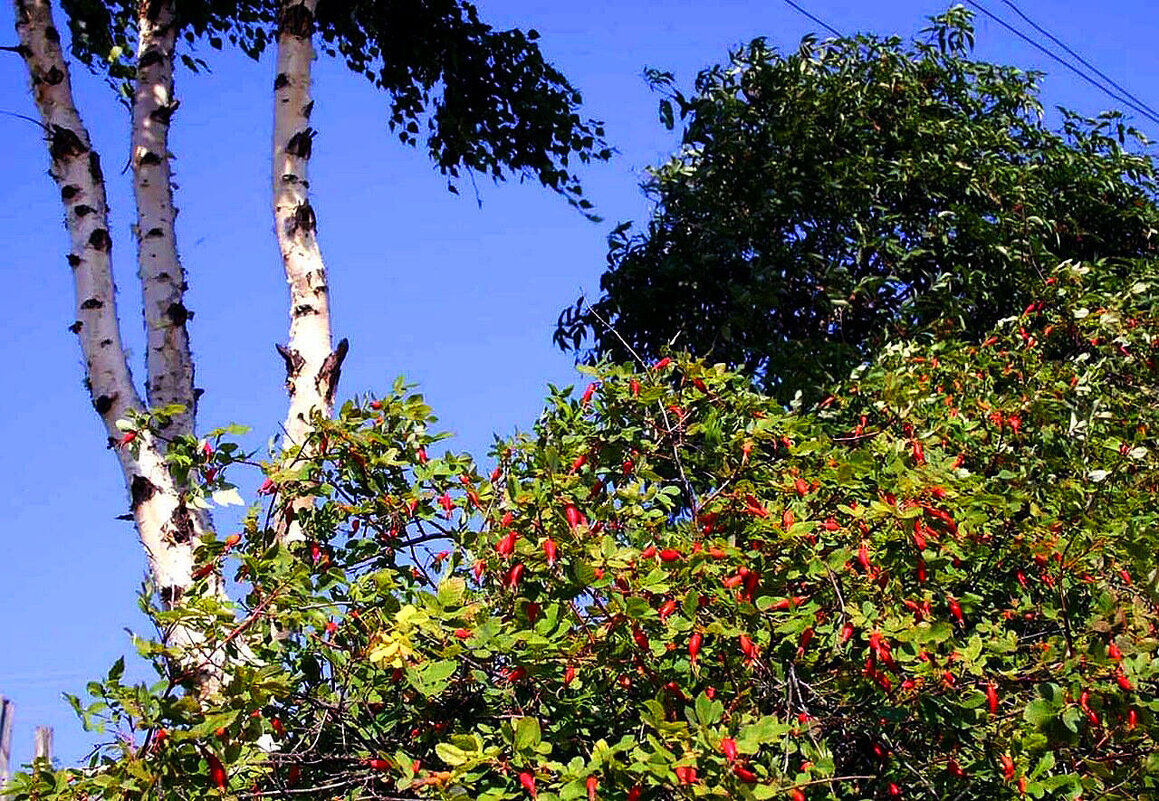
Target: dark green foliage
(481, 100)
(493, 102)
(859, 187)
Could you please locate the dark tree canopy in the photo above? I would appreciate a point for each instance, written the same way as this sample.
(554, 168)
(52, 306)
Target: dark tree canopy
(857, 188)
(481, 99)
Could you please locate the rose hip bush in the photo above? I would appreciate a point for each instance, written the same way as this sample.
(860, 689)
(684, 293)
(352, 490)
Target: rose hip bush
(939, 582)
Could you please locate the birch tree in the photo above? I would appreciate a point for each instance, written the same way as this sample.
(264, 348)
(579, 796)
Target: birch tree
(488, 102)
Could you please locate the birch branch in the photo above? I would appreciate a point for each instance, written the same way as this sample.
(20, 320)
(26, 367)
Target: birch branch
(313, 366)
(164, 523)
(168, 360)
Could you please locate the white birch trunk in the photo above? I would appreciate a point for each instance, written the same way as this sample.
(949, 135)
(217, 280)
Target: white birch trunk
(312, 365)
(168, 358)
(164, 524)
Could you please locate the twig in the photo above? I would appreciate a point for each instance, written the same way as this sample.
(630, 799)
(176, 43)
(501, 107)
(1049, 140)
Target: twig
(833, 780)
(695, 502)
(233, 634)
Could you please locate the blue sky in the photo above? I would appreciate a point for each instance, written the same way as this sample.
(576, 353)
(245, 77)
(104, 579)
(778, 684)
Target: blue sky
(460, 299)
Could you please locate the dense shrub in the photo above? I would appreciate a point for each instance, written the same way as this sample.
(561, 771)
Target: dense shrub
(939, 582)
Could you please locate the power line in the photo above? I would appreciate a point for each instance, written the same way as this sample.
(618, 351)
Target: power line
(1081, 60)
(824, 25)
(1122, 95)
(1110, 92)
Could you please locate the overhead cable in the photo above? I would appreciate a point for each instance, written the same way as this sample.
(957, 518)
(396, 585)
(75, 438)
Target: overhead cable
(823, 24)
(1081, 60)
(1111, 88)
(1107, 90)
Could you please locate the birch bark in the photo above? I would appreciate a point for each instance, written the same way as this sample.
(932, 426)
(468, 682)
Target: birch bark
(168, 359)
(164, 523)
(312, 364)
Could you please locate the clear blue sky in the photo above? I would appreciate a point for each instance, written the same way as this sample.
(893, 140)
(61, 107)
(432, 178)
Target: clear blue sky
(460, 299)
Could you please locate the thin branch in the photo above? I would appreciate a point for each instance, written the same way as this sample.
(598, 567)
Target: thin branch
(692, 498)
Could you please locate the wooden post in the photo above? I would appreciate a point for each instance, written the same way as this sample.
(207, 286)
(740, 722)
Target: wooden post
(42, 748)
(6, 711)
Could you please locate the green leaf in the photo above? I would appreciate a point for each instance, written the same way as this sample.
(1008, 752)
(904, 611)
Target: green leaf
(1039, 712)
(708, 711)
(527, 733)
(451, 591)
(432, 678)
(451, 755)
(1045, 764)
(764, 731)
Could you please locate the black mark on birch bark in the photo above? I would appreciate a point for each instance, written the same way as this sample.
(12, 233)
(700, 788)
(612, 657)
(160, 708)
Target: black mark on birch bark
(177, 313)
(150, 57)
(100, 240)
(141, 490)
(64, 143)
(293, 359)
(296, 20)
(303, 219)
(301, 144)
(331, 371)
(163, 114)
(95, 168)
(153, 10)
(170, 596)
(182, 523)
